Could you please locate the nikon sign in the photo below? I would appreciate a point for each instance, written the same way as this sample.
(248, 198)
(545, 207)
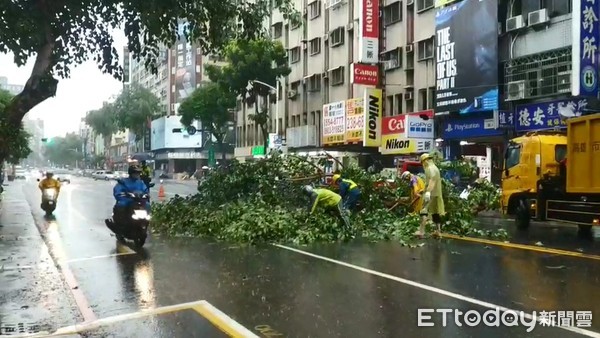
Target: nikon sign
(373, 113)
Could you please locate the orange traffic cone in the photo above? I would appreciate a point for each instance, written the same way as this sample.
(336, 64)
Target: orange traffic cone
(161, 192)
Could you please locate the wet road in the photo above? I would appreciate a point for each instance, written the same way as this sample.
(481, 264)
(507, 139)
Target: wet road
(334, 290)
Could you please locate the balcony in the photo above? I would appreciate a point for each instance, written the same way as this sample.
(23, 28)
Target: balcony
(304, 136)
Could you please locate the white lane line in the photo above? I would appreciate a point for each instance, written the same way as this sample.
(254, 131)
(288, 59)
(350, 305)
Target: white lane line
(81, 328)
(433, 289)
(100, 257)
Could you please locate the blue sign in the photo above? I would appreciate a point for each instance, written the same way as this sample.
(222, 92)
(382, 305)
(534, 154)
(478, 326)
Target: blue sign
(545, 115)
(506, 119)
(468, 128)
(585, 47)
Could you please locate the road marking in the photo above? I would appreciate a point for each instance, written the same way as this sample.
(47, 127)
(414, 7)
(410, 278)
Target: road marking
(432, 289)
(522, 246)
(208, 311)
(131, 252)
(222, 321)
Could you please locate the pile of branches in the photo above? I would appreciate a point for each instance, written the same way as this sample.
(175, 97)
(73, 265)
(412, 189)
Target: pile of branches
(263, 202)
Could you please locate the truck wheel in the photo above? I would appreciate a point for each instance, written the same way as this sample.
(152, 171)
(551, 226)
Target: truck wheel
(522, 215)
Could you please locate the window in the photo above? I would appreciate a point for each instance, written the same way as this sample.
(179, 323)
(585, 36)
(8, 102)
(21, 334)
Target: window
(337, 76)
(314, 10)
(560, 152)
(277, 30)
(557, 7)
(392, 13)
(294, 55)
(423, 5)
(393, 59)
(313, 83)
(314, 46)
(422, 99)
(431, 98)
(425, 49)
(513, 156)
(389, 105)
(337, 37)
(398, 106)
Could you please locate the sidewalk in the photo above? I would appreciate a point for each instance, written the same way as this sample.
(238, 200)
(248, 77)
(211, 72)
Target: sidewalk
(193, 182)
(33, 295)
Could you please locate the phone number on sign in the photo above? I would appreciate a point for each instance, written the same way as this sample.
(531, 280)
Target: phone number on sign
(333, 130)
(355, 122)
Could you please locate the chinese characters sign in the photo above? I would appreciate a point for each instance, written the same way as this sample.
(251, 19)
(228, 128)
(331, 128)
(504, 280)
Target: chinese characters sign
(368, 39)
(334, 122)
(185, 76)
(586, 33)
(355, 120)
(394, 145)
(541, 116)
(394, 138)
(506, 119)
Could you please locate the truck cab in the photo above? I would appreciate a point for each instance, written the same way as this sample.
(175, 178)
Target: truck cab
(528, 158)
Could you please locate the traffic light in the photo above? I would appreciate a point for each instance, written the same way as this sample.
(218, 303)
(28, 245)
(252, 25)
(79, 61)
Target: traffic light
(47, 140)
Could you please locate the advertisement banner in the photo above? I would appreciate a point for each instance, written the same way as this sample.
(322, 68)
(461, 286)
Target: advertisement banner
(355, 120)
(394, 125)
(506, 119)
(586, 31)
(442, 3)
(368, 39)
(469, 128)
(185, 74)
(397, 145)
(418, 126)
(466, 57)
(373, 115)
(364, 74)
(545, 115)
(334, 122)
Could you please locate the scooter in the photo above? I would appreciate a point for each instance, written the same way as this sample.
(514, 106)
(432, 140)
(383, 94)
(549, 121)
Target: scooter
(49, 200)
(138, 221)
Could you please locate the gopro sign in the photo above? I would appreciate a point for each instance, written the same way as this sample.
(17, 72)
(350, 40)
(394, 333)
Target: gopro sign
(417, 127)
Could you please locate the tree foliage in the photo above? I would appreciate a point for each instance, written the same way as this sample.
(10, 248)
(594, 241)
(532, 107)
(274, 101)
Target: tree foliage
(211, 105)
(103, 120)
(262, 202)
(61, 34)
(65, 150)
(248, 60)
(134, 107)
(17, 146)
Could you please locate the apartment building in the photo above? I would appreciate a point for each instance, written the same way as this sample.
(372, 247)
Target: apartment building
(14, 89)
(326, 67)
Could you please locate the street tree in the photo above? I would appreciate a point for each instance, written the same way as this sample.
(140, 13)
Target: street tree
(58, 35)
(65, 150)
(261, 59)
(102, 121)
(211, 105)
(134, 108)
(16, 147)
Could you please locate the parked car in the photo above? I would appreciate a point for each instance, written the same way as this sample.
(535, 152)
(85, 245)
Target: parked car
(63, 176)
(120, 174)
(104, 175)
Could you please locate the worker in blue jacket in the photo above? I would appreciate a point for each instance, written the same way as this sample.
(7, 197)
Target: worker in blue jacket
(348, 190)
(133, 184)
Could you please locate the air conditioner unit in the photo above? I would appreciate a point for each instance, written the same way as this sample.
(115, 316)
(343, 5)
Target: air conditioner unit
(538, 17)
(516, 90)
(409, 48)
(292, 94)
(408, 96)
(514, 23)
(350, 26)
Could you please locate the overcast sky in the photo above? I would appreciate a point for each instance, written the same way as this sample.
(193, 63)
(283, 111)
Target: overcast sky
(85, 90)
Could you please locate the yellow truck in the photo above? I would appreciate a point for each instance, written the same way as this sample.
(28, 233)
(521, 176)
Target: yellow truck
(552, 176)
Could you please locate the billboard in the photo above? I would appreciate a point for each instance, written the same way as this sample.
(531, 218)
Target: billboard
(163, 136)
(185, 73)
(334, 122)
(364, 74)
(584, 77)
(373, 101)
(368, 38)
(418, 127)
(407, 134)
(355, 120)
(466, 57)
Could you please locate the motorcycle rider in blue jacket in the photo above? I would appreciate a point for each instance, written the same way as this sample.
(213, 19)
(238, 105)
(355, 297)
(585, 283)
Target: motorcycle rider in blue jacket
(132, 184)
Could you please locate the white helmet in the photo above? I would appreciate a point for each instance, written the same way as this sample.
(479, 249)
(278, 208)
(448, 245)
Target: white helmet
(405, 175)
(308, 189)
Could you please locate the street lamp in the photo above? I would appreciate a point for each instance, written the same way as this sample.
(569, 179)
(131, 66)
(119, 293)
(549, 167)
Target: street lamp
(276, 89)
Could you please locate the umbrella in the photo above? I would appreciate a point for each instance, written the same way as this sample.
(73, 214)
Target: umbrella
(141, 157)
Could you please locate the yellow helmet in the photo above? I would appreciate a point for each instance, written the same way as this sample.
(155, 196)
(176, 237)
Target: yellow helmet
(425, 157)
(335, 178)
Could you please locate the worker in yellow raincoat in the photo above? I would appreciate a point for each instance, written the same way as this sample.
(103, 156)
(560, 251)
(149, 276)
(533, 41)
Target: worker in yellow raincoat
(328, 200)
(433, 200)
(417, 186)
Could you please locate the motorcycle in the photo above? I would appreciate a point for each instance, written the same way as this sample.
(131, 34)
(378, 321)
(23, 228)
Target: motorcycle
(49, 200)
(136, 227)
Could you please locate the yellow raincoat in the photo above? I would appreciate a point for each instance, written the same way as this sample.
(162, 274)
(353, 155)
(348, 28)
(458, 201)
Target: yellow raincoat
(49, 183)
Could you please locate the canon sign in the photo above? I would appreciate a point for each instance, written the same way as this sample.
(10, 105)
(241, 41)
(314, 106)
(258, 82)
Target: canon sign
(365, 74)
(396, 125)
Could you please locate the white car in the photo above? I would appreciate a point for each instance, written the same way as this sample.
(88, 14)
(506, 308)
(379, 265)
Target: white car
(104, 175)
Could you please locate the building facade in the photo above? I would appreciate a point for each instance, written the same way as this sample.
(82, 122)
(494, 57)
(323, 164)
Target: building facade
(14, 89)
(35, 127)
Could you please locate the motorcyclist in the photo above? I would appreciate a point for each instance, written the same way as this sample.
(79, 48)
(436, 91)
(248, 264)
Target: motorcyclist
(349, 191)
(417, 186)
(50, 183)
(146, 173)
(327, 199)
(132, 184)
